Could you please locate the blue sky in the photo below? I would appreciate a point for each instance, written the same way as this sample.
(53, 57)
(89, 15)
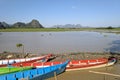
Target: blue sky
(92, 13)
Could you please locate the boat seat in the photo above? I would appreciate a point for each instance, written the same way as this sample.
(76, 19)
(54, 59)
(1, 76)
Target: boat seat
(11, 77)
(27, 74)
(34, 72)
(40, 71)
(17, 60)
(5, 61)
(11, 61)
(1, 62)
(27, 59)
(19, 75)
(47, 69)
(3, 77)
(52, 67)
(22, 60)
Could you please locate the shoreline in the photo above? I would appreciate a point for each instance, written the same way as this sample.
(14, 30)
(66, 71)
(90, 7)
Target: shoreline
(63, 56)
(114, 30)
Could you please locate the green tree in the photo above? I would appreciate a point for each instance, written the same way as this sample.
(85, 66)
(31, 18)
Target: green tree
(109, 27)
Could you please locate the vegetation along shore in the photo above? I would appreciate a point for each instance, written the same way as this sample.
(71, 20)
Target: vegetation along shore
(115, 30)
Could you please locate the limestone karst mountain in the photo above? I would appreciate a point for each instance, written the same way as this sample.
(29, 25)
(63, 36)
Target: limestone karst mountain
(4, 25)
(33, 24)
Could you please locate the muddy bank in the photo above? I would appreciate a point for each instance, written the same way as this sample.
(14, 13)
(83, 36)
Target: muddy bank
(87, 75)
(83, 55)
(16, 55)
(62, 56)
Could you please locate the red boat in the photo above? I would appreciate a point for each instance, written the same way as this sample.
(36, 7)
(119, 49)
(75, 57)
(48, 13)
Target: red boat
(76, 64)
(6, 62)
(89, 64)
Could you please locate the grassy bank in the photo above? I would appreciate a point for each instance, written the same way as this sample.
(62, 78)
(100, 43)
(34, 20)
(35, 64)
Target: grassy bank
(56, 29)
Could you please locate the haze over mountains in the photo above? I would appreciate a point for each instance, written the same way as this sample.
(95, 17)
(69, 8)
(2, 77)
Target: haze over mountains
(68, 26)
(35, 24)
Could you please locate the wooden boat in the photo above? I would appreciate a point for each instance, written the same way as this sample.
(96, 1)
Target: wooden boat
(44, 58)
(89, 64)
(36, 74)
(7, 70)
(77, 64)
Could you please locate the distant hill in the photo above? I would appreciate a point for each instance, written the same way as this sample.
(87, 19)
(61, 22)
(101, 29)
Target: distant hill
(68, 26)
(4, 25)
(19, 25)
(1, 26)
(33, 24)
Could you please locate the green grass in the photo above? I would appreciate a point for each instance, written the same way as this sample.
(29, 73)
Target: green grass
(30, 29)
(54, 29)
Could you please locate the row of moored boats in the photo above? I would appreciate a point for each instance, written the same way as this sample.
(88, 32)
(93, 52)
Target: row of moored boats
(38, 68)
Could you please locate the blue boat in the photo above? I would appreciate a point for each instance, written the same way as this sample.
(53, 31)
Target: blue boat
(36, 74)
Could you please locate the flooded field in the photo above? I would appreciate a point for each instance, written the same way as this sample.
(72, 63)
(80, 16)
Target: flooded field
(60, 42)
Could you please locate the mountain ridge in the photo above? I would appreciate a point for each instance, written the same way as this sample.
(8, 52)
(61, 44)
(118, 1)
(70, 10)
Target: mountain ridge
(33, 24)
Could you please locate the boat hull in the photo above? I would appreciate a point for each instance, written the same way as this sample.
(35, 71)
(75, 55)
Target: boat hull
(17, 62)
(36, 74)
(91, 66)
(78, 64)
(51, 74)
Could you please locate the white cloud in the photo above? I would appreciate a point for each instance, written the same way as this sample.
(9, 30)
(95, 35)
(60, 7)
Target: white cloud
(74, 7)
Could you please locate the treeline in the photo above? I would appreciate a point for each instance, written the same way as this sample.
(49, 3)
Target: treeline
(109, 27)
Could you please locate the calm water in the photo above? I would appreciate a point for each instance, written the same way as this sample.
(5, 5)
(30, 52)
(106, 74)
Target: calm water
(60, 42)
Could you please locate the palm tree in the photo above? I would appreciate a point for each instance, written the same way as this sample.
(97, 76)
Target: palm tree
(19, 45)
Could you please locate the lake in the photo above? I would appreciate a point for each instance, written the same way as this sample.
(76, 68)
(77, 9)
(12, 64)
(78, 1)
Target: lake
(60, 42)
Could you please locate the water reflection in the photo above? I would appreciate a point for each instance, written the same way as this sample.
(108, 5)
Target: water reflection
(115, 48)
